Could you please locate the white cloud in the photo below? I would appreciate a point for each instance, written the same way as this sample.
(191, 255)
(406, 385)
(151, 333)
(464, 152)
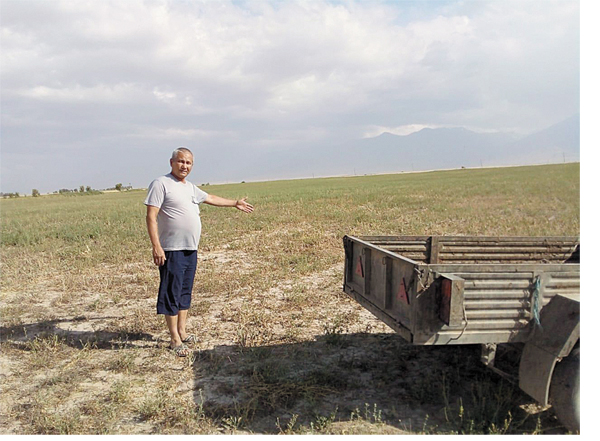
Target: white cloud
(261, 72)
(95, 94)
(175, 133)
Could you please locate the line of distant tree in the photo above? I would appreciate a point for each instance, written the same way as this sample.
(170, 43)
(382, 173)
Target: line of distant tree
(119, 187)
(10, 195)
(82, 190)
(90, 190)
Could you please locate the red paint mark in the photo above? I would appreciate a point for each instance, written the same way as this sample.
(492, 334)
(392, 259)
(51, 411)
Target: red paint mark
(359, 268)
(402, 295)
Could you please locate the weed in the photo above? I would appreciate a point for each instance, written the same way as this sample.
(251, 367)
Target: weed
(172, 413)
(254, 328)
(46, 423)
(338, 326)
(290, 427)
(152, 406)
(45, 348)
(232, 423)
(45, 343)
(119, 391)
(368, 415)
(490, 410)
(122, 362)
(323, 423)
(42, 417)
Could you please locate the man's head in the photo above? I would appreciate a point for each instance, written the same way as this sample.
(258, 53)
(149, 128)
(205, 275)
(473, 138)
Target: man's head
(182, 161)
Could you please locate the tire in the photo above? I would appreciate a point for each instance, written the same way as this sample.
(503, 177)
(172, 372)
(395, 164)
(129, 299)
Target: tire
(564, 390)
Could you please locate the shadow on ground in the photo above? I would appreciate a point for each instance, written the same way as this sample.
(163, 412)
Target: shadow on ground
(338, 383)
(357, 383)
(100, 339)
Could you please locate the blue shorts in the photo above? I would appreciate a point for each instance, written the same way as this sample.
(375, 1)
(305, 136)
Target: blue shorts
(176, 281)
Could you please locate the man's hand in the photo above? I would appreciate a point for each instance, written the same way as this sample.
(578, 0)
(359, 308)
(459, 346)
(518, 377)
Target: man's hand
(240, 204)
(244, 206)
(158, 254)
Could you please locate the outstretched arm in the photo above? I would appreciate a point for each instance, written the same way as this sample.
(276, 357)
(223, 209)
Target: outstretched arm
(240, 204)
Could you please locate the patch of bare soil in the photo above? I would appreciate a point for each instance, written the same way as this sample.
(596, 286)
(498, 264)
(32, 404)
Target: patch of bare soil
(299, 357)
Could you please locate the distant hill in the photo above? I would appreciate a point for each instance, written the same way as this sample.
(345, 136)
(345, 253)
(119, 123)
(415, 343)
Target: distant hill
(427, 149)
(558, 143)
(432, 149)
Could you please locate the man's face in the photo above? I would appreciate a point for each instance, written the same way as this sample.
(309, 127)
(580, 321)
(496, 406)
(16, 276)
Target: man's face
(181, 166)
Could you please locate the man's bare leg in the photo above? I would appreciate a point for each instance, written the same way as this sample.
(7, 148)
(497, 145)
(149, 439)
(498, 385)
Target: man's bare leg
(181, 322)
(172, 325)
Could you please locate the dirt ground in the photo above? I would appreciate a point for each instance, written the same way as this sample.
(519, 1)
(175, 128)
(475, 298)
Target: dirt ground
(299, 358)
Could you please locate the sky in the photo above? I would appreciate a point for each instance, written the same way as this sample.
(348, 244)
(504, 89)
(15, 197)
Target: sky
(98, 93)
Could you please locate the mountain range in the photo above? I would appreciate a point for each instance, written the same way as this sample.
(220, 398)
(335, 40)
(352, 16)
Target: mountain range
(444, 148)
(427, 149)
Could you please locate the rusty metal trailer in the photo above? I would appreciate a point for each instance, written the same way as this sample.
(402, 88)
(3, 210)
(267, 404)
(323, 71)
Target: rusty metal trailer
(493, 291)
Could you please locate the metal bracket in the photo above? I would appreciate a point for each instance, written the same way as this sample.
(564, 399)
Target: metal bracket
(488, 353)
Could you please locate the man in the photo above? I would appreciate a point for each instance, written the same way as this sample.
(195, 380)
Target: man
(174, 227)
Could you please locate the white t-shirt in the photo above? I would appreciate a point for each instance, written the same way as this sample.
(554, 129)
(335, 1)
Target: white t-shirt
(179, 225)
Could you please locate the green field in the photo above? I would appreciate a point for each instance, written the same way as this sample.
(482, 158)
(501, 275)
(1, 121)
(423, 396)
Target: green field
(85, 351)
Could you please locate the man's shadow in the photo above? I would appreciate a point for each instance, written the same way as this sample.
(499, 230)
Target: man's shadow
(364, 379)
(99, 339)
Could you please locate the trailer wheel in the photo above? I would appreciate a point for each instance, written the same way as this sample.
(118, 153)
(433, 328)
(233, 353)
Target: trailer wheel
(564, 390)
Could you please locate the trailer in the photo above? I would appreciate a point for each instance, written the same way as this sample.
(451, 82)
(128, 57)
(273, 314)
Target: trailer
(511, 295)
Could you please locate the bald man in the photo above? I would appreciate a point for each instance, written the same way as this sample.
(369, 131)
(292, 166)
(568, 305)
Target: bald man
(174, 227)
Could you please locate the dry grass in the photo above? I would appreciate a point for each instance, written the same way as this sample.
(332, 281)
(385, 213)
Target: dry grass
(282, 349)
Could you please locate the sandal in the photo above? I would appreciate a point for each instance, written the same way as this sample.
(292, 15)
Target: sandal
(190, 339)
(181, 350)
